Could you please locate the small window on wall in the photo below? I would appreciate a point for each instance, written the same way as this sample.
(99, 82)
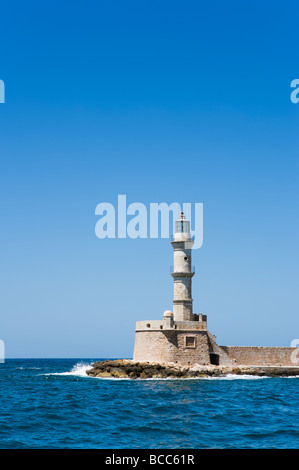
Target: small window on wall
(190, 341)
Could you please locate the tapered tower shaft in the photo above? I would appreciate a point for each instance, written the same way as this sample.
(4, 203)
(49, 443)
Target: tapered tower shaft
(182, 271)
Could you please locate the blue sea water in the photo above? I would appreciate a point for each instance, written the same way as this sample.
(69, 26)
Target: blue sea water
(52, 403)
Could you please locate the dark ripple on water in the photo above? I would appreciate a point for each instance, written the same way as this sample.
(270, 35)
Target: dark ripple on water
(75, 411)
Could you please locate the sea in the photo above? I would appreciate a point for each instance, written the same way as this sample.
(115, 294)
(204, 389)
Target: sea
(53, 404)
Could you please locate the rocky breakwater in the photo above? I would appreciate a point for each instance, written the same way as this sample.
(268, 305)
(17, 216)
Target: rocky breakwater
(127, 369)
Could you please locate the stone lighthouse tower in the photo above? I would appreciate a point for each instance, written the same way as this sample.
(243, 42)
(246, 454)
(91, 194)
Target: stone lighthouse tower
(182, 270)
(181, 336)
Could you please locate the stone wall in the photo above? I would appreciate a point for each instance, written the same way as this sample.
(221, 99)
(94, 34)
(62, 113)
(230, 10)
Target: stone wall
(259, 355)
(172, 346)
(154, 343)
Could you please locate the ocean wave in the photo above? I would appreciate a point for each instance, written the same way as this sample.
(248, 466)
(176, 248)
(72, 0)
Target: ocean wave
(78, 370)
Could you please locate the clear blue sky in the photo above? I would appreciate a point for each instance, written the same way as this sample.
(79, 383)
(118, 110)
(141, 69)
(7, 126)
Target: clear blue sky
(161, 101)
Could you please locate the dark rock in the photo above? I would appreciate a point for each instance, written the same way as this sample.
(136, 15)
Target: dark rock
(122, 368)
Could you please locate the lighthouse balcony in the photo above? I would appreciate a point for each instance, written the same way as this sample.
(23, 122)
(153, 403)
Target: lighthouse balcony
(182, 271)
(182, 237)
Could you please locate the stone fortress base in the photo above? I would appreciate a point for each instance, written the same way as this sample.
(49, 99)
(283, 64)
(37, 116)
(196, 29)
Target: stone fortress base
(190, 343)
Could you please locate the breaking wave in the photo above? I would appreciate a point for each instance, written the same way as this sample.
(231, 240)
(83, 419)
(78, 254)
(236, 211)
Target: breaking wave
(78, 370)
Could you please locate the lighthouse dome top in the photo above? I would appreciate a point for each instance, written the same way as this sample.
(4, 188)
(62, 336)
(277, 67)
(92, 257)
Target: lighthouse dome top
(182, 229)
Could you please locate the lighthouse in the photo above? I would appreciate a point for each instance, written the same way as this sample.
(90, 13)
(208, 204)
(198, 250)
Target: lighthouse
(182, 270)
(181, 336)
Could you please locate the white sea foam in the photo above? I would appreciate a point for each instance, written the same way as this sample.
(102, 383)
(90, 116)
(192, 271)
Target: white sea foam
(250, 377)
(224, 377)
(167, 379)
(239, 377)
(78, 370)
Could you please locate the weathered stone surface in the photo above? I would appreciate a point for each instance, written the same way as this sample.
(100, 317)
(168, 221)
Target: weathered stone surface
(164, 346)
(259, 355)
(145, 370)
